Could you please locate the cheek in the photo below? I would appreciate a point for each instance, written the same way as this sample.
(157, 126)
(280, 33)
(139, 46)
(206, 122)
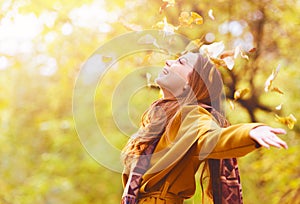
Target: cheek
(184, 73)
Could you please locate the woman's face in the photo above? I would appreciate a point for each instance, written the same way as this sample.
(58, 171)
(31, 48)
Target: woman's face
(174, 75)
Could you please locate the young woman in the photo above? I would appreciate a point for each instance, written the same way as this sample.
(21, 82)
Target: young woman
(186, 128)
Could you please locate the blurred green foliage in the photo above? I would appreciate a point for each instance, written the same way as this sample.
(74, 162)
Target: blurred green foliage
(42, 158)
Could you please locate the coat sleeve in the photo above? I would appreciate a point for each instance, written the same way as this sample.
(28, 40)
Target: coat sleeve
(221, 143)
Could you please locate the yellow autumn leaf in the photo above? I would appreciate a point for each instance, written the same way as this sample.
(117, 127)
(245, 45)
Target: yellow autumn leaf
(271, 78)
(289, 120)
(197, 19)
(240, 93)
(194, 44)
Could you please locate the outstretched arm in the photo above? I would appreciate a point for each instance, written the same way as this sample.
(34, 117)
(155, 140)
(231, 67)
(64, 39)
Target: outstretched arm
(267, 136)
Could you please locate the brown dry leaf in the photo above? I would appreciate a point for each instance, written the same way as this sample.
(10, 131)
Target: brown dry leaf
(276, 89)
(211, 15)
(271, 78)
(240, 93)
(288, 120)
(226, 53)
(252, 50)
(197, 19)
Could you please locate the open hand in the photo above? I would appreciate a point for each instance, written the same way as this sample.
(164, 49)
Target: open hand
(266, 136)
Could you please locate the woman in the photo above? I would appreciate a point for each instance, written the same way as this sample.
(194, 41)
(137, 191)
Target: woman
(186, 128)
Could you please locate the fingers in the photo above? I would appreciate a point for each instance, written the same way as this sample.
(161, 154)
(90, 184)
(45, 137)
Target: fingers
(278, 130)
(273, 140)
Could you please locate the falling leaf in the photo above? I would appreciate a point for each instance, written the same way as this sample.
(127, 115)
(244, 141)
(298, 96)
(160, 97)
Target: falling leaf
(197, 19)
(212, 50)
(229, 62)
(194, 44)
(226, 53)
(276, 89)
(271, 78)
(289, 120)
(188, 18)
(240, 93)
(278, 107)
(239, 51)
(210, 14)
(245, 56)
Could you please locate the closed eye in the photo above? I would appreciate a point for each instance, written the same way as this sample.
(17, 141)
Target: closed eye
(182, 61)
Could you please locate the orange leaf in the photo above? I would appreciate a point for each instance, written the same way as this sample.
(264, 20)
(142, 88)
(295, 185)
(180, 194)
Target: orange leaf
(197, 19)
(289, 120)
(227, 53)
(252, 50)
(276, 89)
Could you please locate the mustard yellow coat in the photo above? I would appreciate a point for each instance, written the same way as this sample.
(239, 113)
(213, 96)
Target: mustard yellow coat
(194, 137)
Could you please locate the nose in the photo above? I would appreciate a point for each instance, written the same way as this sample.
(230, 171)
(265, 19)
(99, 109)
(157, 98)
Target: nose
(168, 63)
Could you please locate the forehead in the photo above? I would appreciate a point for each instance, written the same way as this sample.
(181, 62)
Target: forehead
(191, 57)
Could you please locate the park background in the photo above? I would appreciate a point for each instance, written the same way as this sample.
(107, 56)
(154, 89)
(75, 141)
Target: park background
(44, 44)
